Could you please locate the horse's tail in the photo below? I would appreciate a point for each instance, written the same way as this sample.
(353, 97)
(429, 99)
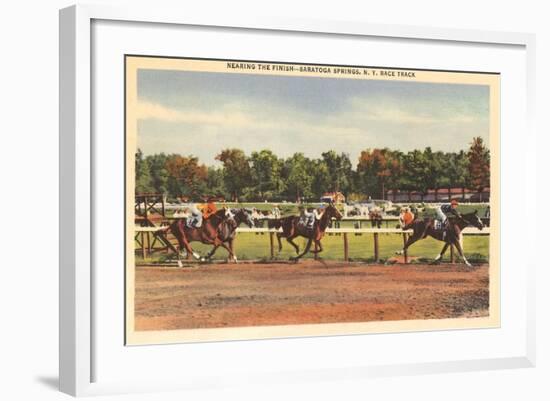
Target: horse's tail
(176, 228)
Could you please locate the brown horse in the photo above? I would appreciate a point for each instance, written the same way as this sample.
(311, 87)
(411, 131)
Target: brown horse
(451, 234)
(227, 230)
(292, 228)
(207, 233)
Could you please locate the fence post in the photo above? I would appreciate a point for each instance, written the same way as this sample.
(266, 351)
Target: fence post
(143, 247)
(271, 235)
(405, 256)
(346, 248)
(376, 248)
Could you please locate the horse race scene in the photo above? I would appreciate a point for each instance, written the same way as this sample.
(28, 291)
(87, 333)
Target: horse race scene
(270, 200)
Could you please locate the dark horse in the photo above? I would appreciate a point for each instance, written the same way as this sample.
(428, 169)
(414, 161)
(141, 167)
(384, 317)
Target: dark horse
(207, 233)
(227, 230)
(451, 234)
(292, 228)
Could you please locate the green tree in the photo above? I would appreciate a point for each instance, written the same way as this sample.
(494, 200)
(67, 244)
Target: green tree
(299, 177)
(266, 170)
(461, 175)
(340, 171)
(417, 171)
(395, 166)
(215, 183)
(457, 170)
(159, 174)
(321, 182)
(432, 170)
(236, 171)
(376, 169)
(479, 165)
(143, 174)
(443, 169)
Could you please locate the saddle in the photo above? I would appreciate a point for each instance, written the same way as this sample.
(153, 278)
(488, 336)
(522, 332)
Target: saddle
(306, 222)
(193, 222)
(442, 227)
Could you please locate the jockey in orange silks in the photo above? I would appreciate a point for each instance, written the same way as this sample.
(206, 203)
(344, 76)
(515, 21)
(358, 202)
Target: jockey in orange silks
(209, 208)
(406, 217)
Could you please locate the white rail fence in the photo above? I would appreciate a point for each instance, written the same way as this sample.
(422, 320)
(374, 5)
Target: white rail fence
(146, 237)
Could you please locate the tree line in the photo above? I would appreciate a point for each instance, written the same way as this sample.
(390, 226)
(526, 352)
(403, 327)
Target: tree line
(263, 175)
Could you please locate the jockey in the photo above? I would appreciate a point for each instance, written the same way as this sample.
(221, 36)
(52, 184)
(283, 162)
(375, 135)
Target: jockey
(308, 218)
(209, 208)
(195, 220)
(406, 217)
(447, 209)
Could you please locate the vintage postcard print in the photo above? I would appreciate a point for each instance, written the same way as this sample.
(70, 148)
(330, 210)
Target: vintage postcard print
(271, 199)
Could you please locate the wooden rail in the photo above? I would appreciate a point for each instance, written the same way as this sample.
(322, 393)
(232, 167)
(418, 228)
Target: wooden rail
(145, 237)
(142, 237)
(375, 231)
(351, 230)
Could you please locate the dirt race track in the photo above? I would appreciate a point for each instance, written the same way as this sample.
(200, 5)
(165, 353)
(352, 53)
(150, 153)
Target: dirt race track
(246, 294)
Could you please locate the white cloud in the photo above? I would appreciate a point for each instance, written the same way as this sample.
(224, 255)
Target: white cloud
(229, 118)
(286, 130)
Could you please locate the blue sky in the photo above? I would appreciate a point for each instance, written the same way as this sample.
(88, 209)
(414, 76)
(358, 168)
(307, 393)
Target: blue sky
(200, 113)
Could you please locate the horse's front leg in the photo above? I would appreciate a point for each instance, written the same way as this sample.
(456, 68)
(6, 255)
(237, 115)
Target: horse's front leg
(229, 250)
(296, 248)
(458, 245)
(279, 235)
(188, 248)
(306, 250)
(412, 239)
(438, 258)
(212, 252)
(319, 246)
(232, 255)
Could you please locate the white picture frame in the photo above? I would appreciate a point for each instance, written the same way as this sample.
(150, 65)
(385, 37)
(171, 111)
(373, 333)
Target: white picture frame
(78, 371)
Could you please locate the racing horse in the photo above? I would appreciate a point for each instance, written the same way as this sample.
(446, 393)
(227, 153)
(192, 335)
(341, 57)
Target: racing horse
(207, 233)
(227, 230)
(292, 228)
(451, 234)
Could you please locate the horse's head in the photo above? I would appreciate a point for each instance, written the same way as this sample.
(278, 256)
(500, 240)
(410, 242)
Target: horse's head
(244, 216)
(332, 212)
(473, 219)
(227, 215)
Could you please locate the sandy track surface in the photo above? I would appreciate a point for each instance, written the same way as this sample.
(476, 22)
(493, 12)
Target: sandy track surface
(250, 294)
